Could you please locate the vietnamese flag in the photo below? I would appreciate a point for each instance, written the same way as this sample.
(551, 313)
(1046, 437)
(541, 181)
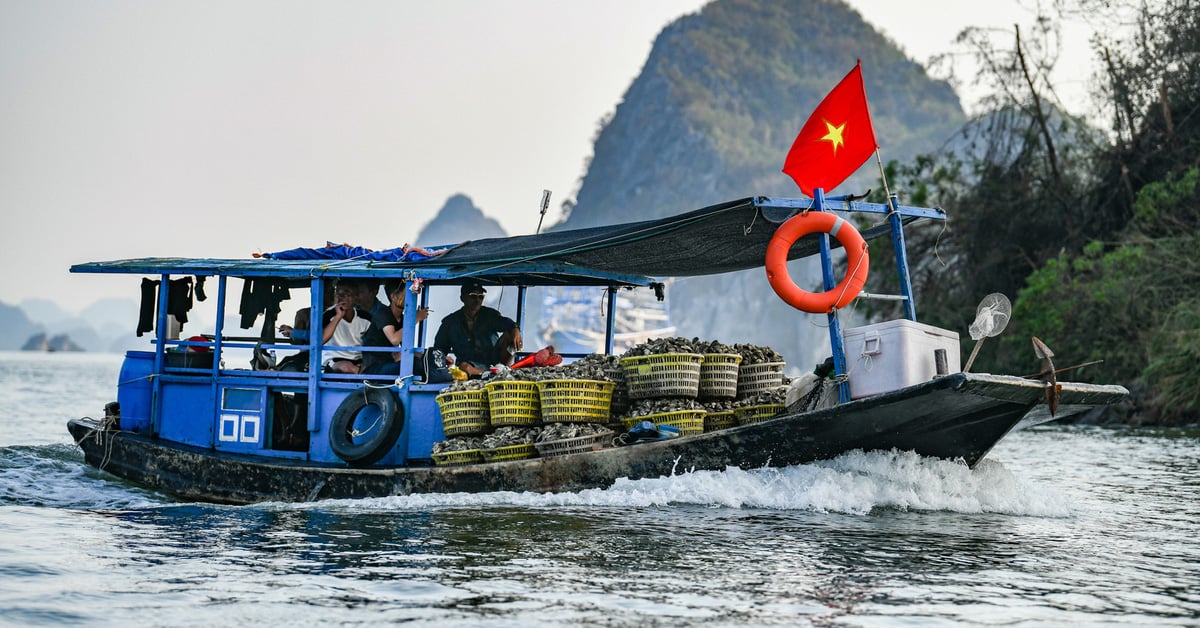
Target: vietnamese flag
(836, 140)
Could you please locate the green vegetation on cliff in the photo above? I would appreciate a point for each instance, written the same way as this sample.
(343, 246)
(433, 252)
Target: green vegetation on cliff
(1096, 238)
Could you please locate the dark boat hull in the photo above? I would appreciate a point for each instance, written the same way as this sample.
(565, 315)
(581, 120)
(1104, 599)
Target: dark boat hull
(960, 416)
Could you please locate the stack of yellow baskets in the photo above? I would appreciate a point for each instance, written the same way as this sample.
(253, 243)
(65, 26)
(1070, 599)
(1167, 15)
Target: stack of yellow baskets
(575, 401)
(754, 379)
(476, 412)
(665, 375)
(464, 412)
(513, 403)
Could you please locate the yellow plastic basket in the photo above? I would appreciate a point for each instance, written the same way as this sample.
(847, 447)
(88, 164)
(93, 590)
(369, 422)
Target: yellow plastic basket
(514, 403)
(510, 452)
(662, 375)
(719, 375)
(576, 445)
(757, 414)
(452, 458)
(464, 412)
(756, 378)
(689, 422)
(575, 400)
(714, 421)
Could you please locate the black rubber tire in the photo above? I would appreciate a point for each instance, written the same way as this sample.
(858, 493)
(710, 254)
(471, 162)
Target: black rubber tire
(383, 435)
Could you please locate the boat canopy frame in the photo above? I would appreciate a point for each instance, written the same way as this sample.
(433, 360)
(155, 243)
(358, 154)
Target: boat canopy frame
(717, 239)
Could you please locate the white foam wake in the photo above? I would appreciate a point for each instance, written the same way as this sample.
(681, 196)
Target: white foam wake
(854, 483)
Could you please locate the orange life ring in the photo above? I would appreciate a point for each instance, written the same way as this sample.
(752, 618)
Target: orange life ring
(856, 257)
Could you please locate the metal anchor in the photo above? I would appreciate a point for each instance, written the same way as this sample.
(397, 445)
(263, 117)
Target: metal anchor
(1048, 374)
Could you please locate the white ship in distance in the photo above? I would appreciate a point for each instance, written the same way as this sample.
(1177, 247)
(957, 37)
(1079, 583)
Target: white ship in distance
(573, 319)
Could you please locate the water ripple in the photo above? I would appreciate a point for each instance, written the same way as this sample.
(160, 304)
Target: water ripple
(1059, 526)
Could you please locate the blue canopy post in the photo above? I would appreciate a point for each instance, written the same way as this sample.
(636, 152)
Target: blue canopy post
(219, 331)
(315, 331)
(422, 327)
(408, 333)
(408, 354)
(521, 290)
(610, 319)
(835, 325)
(160, 347)
(218, 345)
(901, 251)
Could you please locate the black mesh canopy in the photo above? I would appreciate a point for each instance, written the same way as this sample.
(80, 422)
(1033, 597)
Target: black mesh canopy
(717, 239)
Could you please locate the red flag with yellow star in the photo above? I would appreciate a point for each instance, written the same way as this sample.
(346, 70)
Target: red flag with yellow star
(836, 140)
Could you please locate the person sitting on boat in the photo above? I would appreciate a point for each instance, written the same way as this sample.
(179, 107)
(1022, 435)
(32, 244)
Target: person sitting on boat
(386, 330)
(297, 332)
(344, 326)
(368, 297)
(478, 336)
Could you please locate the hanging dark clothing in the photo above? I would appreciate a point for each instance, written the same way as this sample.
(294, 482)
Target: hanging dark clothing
(179, 302)
(146, 314)
(261, 296)
(179, 299)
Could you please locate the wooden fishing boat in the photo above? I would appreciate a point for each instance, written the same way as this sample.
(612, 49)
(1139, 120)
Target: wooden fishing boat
(190, 425)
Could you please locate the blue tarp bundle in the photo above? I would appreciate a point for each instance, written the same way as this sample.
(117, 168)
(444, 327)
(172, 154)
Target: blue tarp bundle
(345, 251)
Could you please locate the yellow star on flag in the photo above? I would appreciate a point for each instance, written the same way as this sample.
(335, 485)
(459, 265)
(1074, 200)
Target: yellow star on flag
(834, 136)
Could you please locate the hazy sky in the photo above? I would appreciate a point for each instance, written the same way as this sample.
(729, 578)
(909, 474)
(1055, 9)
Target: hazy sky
(218, 129)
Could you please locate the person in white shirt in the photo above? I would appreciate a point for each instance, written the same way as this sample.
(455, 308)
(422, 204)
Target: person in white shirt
(344, 326)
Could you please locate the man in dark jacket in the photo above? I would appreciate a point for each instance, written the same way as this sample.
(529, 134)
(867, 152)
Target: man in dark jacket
(478, 336)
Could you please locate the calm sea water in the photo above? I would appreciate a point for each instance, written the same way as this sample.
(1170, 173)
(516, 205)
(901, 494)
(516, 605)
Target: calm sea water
(1059, 526)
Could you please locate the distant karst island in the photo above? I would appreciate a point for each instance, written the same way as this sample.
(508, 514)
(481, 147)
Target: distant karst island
(43, 342)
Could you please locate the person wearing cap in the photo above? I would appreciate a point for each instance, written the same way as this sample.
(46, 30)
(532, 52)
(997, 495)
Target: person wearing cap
(478, 336)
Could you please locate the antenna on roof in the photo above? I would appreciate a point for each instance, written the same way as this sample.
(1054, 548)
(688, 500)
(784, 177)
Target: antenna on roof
(545, 206)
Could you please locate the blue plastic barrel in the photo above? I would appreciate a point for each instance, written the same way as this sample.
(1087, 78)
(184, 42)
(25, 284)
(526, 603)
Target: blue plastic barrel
(134, 390)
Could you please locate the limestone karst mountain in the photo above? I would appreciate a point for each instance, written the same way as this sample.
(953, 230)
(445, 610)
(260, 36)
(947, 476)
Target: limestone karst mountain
(458, 220)
(711, 118)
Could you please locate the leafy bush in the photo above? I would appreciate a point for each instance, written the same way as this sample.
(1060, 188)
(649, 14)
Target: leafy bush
(1093, 307)
(1166, 208)
(1135, 305)
(1174, 370)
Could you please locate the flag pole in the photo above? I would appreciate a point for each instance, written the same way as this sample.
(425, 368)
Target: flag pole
(898, 244)
(883, 177)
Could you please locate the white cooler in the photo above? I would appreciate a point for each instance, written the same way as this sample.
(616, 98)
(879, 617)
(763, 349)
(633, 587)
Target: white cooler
(894, 354)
